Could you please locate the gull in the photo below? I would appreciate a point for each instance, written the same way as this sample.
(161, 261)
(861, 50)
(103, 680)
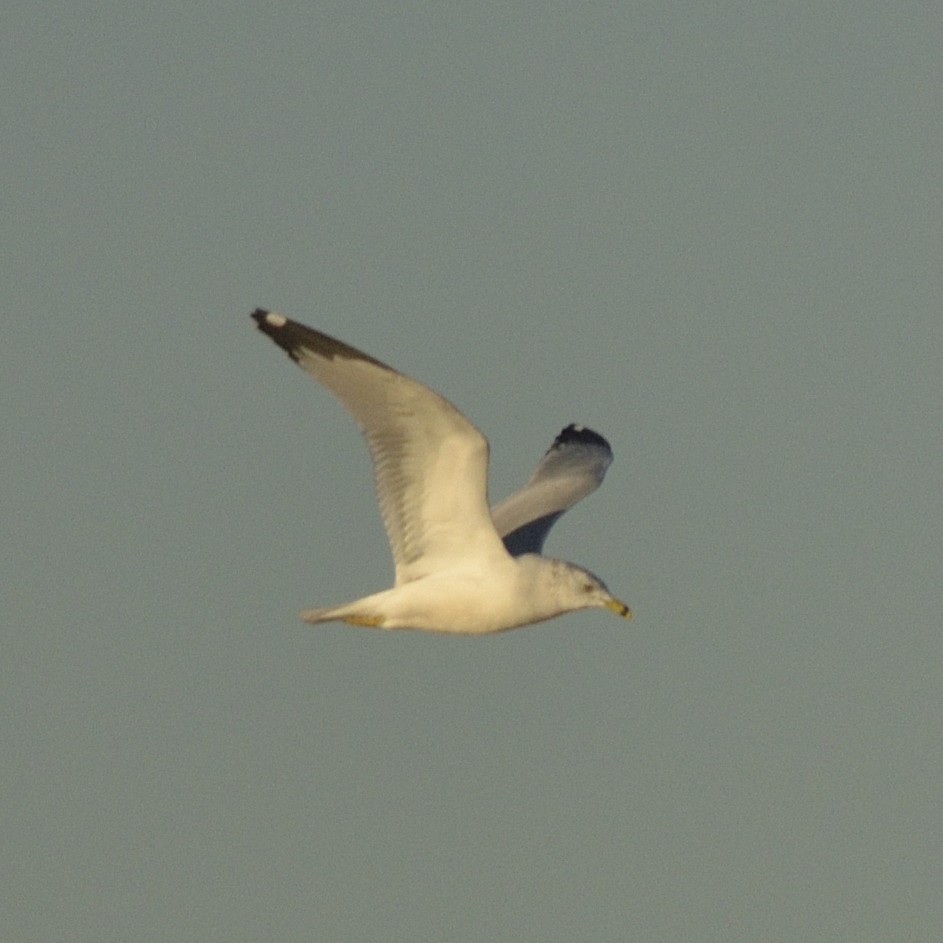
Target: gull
(460, 567)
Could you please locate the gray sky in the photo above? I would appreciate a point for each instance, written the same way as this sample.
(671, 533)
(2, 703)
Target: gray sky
(710, 231)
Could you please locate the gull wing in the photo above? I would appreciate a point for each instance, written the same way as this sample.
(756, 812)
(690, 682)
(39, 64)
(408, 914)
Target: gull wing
(430, 464)
(572, 467)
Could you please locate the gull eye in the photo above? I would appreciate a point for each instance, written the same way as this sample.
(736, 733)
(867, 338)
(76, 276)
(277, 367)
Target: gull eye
(587, 587)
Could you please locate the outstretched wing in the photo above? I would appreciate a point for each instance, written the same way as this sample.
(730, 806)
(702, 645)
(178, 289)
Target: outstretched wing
(573, 466)
(430, 464)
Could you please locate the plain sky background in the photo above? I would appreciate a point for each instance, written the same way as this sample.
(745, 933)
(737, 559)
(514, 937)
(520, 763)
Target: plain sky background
(711, 231)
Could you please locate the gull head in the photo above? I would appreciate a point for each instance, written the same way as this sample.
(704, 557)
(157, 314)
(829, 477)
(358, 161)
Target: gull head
(576, 588)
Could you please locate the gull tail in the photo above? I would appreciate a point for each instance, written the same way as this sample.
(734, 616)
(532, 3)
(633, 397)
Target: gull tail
(347, 613)
(324, 614)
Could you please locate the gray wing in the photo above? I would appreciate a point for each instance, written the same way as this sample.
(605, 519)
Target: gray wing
(573, 467)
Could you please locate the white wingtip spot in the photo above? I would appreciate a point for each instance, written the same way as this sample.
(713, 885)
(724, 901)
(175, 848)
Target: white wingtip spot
(276, 319)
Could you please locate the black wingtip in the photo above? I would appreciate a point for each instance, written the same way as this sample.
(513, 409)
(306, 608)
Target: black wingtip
(577, 434)
(279, 329)
(260, 316)
(297, 340)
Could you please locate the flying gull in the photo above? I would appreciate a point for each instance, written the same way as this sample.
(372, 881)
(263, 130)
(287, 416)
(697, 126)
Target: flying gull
(461, 567)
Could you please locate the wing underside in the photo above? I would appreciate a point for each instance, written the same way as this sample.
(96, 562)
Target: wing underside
(430, 463)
